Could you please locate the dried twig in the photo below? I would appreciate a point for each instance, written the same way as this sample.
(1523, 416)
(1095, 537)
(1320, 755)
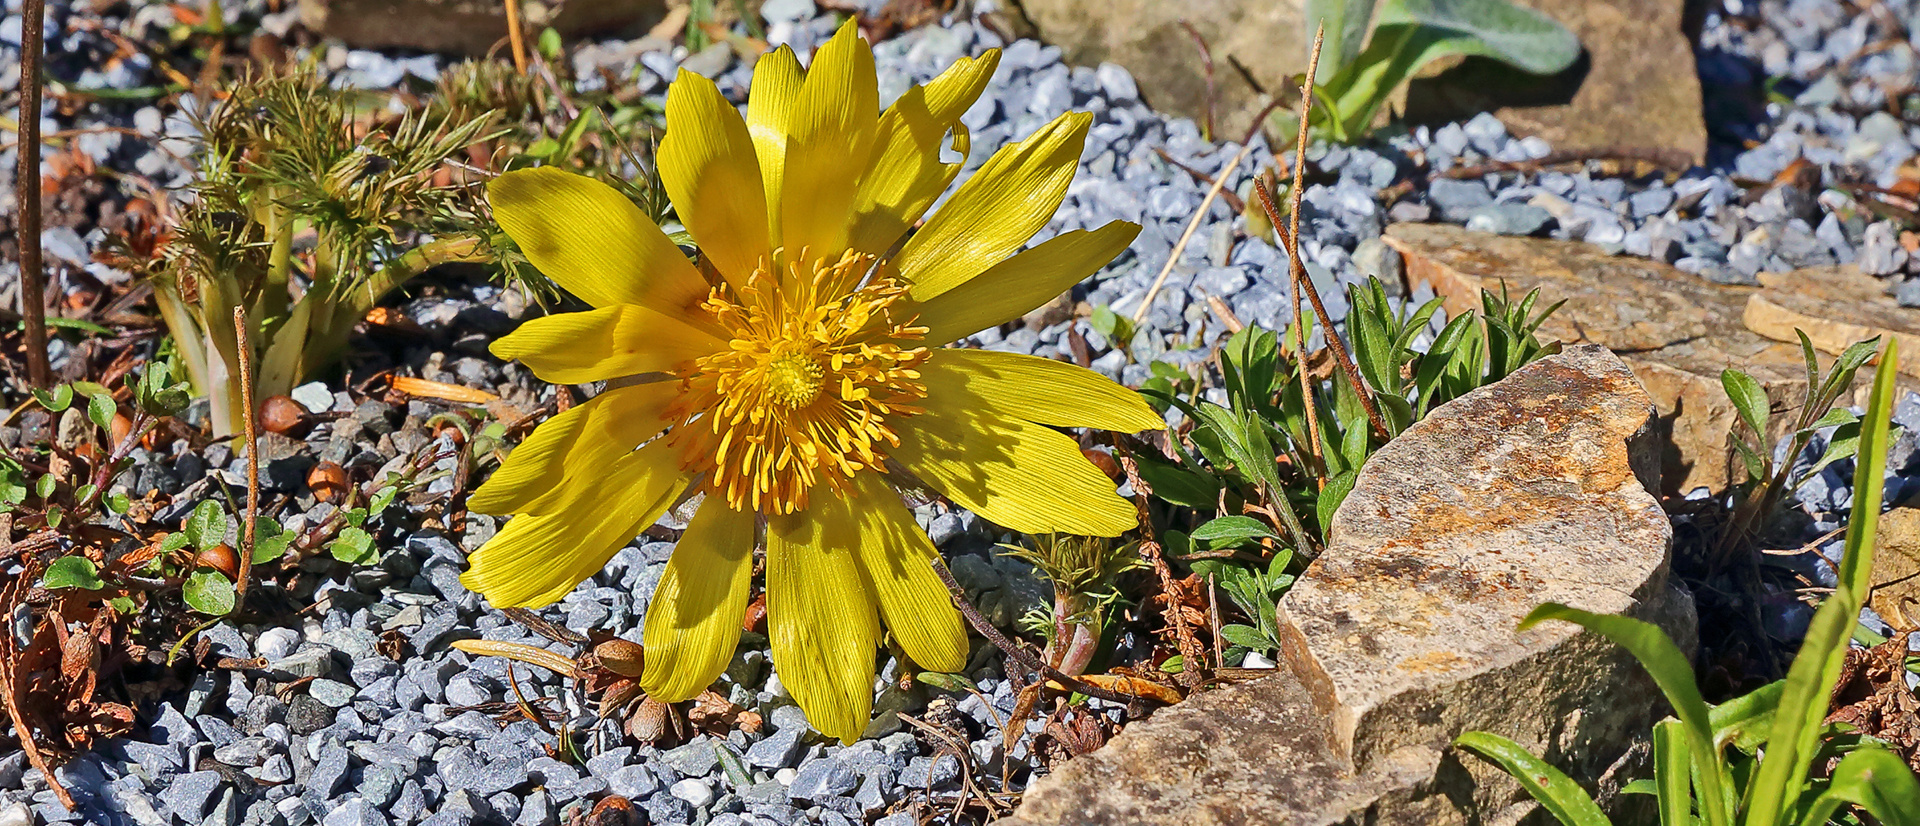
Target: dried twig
(26, 183)
(1206, 65)
(1303, 284)
(1193, 225)
(1021, 655)
(515, 37)
(253, 457)
(1190, 649)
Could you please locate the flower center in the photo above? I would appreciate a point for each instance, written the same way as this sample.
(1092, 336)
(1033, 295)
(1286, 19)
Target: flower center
(816, 370)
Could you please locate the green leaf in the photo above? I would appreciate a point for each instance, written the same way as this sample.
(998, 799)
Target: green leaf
(381, 499)
(118, 502)
(56, 400)
(1513, 34)
(357, 517)
(1797, 724)
(550, 44)
(1751, 460)
(44, 486)
(174, 541)
(1332, 495)
(207, 526)
(1672, 770)
(270, 540)
(84, 492)
(100, 410)
(1671, 672)
(1178, 485)
(1834, 418)
(208, 592)
(1231, 532)
(947, 682)
(354, 547)
(1875, 780)
(72, 572)
(1743, 721)
(1557, 793)
(1749, 400)
(1843, 445)
(122, 605)
(1346, 25)
(1246, 636)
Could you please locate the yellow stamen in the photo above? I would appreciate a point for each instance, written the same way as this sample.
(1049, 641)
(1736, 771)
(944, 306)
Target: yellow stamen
(805, 392)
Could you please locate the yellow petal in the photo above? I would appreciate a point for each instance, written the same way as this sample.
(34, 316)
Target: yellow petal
(906, 173)
(693, 621)
(994, 213)
(820, 617)
(708, 165)
(895, 555)
(1014, 473)
(537, 559)
(1039, 390)
(610, 342)
(776, 88)
(592, 241)
(585, 439)
(829, 141)
(1013, 287)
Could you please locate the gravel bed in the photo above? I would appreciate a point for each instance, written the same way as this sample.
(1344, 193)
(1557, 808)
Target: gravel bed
(371, 740)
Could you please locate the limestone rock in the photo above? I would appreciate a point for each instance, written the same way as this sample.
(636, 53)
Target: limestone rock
(1635, 87)
(1675, 329)
(1402, 634)
(1835, 307)
(1896, 568)
(469, 27)
(1624, 92)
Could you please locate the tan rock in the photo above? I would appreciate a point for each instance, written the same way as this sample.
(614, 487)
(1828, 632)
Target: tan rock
(1623, 93)
(1402, 634)
(1635, 88)
(1675, 329)
(470, 27)
(1896, 568)
(1835, 307)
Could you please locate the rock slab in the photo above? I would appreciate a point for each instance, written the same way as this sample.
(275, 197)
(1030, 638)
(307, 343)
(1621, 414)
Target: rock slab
(1675, 329)
(469, 27)
(1402, 634)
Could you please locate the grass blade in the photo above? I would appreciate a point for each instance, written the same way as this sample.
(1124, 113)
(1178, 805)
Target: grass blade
(1557, 793)
(1670, 671)
(1803, 704)
(1875, 780)
(1674, 779)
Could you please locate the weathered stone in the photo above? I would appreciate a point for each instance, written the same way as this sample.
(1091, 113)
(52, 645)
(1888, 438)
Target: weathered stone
(1634, 87)
(1835, 307)
(1624, 91)
(1402, 634)
(1675, 329)
(1896, 568)
(469, 27)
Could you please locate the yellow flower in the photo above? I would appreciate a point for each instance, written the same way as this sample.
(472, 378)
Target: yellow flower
(787, 374)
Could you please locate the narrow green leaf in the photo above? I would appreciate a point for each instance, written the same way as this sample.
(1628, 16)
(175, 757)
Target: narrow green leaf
(1875, 780)
(1231, 531)
(1334, 493)
(1557, 793)
(1790, 750)
(947, 682)
(1246, 636)
(1749, 400)
(1671, 672)
(1672, 770)
(1743, 721)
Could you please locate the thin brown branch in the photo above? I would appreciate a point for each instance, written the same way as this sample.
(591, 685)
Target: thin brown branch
(26, 183)
(1019, 654)
(1298, 267)
(252, 527)
(1206, 64)
(515, 37)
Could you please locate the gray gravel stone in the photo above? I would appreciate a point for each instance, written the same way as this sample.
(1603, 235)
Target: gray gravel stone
(189, 795)
(822, 779)
(778, 750)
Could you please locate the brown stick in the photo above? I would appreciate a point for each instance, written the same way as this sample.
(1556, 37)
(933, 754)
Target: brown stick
(1019, 654)
(515, 37)
(26, 184)
(253, 456)
(1298, 266)
(1206, 64)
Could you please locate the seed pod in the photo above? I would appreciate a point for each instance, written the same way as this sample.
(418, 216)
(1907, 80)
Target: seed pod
(328, 481)
(220, 558)
(1104, 461)
(620, 656)
(121, 426)
(619, 696)
(281, 414)
(649, 720)
(756, 615)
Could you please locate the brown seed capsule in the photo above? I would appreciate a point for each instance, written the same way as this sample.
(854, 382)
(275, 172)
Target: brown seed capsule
(281, 414)
(121, 426)
(649, 720)
(220, 558)
(328, 481)
(756, 615)
(1104, 461)
(620, 656)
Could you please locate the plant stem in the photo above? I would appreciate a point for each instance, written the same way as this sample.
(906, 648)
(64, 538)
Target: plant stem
(515, 37)
(253, 458)
(33, 298)
(1020, 655)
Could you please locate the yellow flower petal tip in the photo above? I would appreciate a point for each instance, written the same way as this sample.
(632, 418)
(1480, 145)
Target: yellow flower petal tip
(784, 373)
